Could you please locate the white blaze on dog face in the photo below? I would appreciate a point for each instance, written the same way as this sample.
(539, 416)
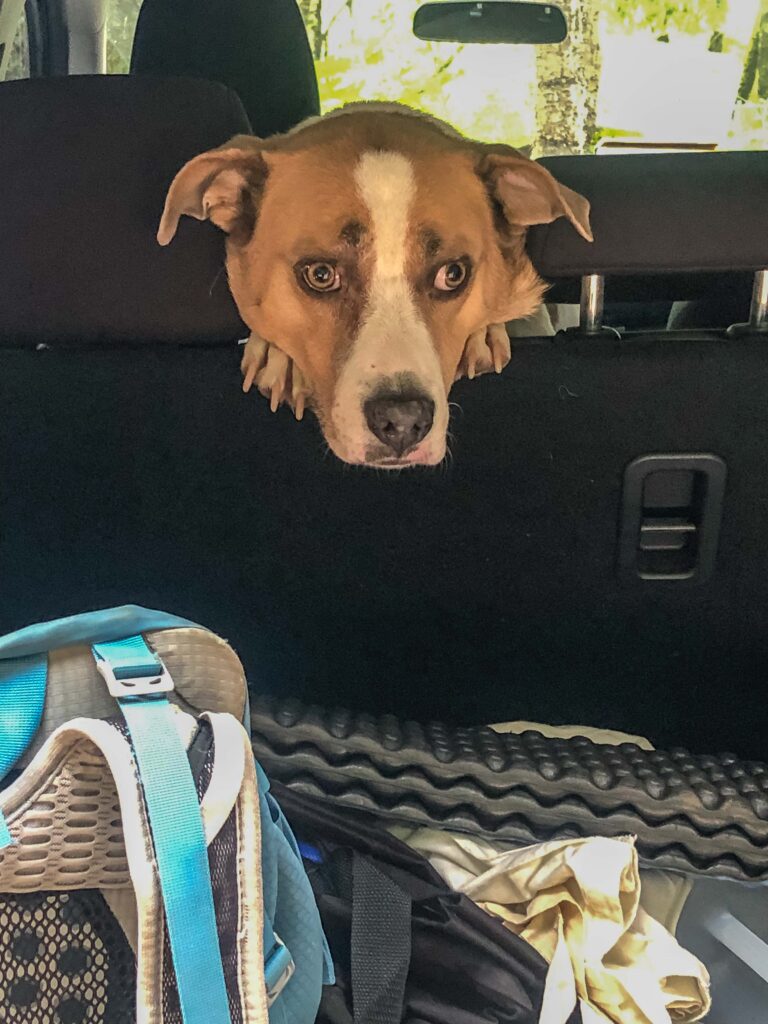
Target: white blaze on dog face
(394, 354)
(370, 246)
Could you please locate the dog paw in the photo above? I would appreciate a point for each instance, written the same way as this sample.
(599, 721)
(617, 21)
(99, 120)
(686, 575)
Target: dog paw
(486, 350)
(275, 375)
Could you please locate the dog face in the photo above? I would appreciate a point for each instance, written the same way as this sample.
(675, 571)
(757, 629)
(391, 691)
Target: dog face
(369, 246)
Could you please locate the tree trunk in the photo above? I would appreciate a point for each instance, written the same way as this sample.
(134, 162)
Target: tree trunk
(568, 77)
(754, 79)
(312, 13)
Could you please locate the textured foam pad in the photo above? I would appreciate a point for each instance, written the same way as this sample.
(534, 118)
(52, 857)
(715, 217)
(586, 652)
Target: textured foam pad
(707, 814)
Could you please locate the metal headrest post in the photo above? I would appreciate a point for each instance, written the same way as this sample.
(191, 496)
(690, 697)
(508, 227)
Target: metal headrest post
(758, 308)
(591, 305)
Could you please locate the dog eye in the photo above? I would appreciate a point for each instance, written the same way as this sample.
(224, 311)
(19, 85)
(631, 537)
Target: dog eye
(451, 276)
(321, 277)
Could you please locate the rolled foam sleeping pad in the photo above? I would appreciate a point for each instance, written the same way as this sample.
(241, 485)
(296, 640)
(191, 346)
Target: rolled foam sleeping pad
(694, 813)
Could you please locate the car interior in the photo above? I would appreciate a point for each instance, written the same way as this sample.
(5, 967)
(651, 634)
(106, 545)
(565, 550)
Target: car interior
(593, 553)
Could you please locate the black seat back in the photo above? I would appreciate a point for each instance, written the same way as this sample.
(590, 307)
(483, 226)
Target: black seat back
(134, 469)
(79, 262)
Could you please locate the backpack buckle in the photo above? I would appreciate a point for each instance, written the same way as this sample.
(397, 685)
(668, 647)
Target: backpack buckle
(279, 968)
(140, 680)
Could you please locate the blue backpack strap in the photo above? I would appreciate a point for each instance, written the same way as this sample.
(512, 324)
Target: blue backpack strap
(22, 698)
(137, 678)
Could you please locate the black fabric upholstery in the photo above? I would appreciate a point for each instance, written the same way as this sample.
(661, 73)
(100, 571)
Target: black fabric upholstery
(724, 303)
(258, 48)
(85, 164)
(480, 592)
(660, 213)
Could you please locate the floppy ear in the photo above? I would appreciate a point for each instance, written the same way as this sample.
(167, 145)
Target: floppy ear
(529, 194)
(223, 186)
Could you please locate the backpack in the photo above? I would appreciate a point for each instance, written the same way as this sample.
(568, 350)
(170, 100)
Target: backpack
(146, 872)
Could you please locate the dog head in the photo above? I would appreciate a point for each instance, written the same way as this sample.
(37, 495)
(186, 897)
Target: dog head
(370, 245)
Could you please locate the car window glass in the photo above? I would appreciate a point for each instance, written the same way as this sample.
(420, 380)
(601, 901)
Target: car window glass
(18, 59)
(632, 74)
(122, 16)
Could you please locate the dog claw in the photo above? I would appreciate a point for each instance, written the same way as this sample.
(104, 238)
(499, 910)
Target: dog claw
(254, 358)
(299, 392)
(485, 350)
(275, 375)
(500, 346)
(273, 379)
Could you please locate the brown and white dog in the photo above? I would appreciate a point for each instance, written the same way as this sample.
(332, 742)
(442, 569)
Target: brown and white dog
(375, 254)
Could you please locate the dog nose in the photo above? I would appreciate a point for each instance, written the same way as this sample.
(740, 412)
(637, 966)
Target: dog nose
(399, 422)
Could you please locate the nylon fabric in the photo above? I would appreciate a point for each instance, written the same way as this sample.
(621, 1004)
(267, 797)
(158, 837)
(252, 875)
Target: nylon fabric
(291, 911)
(88, 628)
(465, 967)
(269, 859)
(182, 860)
(179, 842)
(129, 658)
(381, 944)
(22, 698)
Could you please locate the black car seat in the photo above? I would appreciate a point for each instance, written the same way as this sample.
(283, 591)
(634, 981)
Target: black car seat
(507, 568)
(532, 578)
(257, 48)
(79, 263)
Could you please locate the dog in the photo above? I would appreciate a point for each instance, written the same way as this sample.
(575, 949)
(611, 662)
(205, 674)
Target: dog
(375, 255)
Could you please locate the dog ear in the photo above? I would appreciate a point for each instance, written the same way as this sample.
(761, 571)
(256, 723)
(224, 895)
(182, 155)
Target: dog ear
(528, 194)
(223, 186)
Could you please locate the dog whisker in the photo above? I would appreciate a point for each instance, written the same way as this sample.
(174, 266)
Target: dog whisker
(222, 270)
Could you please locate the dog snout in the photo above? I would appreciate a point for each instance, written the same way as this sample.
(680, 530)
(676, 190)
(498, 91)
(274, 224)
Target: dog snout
(400, 422)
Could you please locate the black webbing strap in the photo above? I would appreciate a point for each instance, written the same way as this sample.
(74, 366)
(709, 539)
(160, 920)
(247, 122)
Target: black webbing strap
(381, 944)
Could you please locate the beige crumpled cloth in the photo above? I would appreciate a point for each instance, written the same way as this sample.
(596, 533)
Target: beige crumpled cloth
(578, 903)
(612, 737)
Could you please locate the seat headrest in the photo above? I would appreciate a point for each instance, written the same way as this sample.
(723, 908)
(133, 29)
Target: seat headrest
(85, 164)
(676, 213)
(259, 48)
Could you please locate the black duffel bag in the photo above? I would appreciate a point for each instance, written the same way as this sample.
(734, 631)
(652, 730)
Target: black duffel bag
(406, 948)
